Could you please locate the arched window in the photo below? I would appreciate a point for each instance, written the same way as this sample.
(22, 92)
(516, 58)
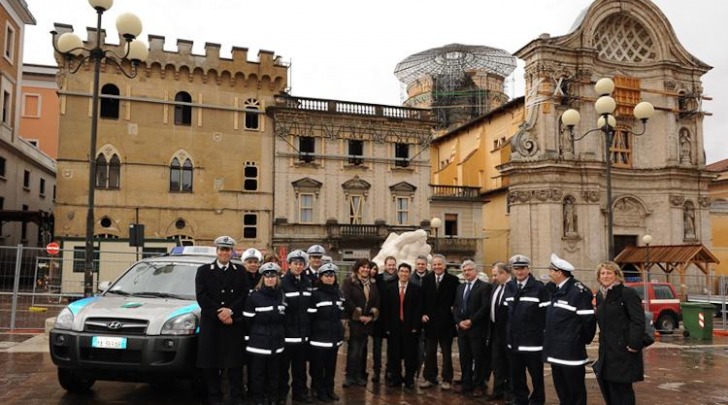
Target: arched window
(108, 171)
(109, 106)
(102, 171)
(180, 176)
(251, 116)
(183, 113)
(115, 172)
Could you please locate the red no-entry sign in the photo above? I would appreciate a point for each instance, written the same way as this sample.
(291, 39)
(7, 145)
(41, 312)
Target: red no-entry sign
(53, 248)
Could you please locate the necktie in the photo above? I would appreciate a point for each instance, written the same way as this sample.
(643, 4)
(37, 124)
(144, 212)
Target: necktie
(437, 281)
(401, 303)
(223, 268)
(494, 303)
(520, 286)
(466, 295)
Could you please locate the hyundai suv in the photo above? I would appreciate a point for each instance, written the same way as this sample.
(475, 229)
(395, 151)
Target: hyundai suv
(143, 327)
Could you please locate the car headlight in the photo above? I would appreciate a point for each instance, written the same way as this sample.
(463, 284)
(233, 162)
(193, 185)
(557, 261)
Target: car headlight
(64, 320)
(185, 324)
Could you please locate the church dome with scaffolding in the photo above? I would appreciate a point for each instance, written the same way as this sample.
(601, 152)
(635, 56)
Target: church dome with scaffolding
(459, 82)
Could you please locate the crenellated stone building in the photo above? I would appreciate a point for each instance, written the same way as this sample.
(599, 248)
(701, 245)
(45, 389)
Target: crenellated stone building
(184, 148)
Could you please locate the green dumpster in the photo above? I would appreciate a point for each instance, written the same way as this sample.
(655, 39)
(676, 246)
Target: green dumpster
(697, 319)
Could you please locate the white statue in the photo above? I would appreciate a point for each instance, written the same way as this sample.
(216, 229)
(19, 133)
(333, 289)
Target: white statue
(405, 247)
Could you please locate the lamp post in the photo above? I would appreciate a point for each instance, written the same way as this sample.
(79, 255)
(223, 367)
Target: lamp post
(435, 224)
(605, 106)
(71, 47)
(647, 240)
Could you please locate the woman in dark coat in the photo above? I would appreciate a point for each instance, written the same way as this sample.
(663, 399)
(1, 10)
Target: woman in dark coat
(621, 327)
(265, 312)
(221, 288)
(361, 308)
(327, 333)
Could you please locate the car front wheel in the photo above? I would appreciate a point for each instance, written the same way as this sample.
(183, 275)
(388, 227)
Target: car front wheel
(666, 323)
(72, 382)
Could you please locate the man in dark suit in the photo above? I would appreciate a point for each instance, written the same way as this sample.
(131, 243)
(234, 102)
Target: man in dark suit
(501, 274)
(438, 290)
(402, 315)
(471, 312)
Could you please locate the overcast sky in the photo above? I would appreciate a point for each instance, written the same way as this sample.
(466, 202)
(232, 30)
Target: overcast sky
(347, 50)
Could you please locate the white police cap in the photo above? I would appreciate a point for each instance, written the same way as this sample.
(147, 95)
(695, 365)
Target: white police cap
(225, 241)
(252, 253)
(297, 254)
(328, 268)
(269, 267)
(561, 264)
(316, 250)
(519, 261)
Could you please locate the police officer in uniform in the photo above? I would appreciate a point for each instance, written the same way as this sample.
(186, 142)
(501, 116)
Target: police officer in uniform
(221, 289)
(315, 260)
(265, 310)
(526, 299)
(327, 334)
(297, 290)
(252, 259)
(570, 326)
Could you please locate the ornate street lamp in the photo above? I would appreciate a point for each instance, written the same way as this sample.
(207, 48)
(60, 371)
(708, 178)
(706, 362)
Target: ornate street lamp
(75, 54)
(435, 224)
(605, 106)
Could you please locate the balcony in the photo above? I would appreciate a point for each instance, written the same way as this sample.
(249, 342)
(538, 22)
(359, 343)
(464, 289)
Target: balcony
(351, 108)
(454, 193)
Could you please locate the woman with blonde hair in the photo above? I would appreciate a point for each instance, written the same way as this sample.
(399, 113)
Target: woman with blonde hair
(621, 327)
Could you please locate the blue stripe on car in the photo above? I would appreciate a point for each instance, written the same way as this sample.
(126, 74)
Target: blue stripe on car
(76, 306)
(184, 310)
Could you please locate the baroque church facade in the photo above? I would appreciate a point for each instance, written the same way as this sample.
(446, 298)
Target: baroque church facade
(558, 190)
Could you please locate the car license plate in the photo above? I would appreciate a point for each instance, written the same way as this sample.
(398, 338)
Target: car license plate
(107, 342)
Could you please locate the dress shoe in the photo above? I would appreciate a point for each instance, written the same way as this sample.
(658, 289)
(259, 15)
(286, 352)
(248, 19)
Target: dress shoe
(446, 386)
(496, 397)
(348, 383)
(361, 381)
(461, 389)
(393, 384)
(478, 392)
(323, 398)
(410, 385)
(332, 396)
(427, 384)
(305, 399)
(375, 378)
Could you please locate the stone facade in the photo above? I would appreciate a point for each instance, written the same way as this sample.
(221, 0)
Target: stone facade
(27, 175)
(347, 174)
(184, 147)
(557, 191)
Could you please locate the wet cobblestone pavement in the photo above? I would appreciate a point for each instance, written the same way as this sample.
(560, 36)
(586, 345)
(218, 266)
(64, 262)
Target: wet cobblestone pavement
(678, 371)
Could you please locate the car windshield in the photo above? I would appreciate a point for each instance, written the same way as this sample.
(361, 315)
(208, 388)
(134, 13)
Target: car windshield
(158, 279)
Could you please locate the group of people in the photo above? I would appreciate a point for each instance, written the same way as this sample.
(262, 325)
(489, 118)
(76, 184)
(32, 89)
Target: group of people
(272, 330)
(287, 329)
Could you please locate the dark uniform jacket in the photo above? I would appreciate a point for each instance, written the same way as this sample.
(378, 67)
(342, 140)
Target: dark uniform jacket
(570, 325)
(310, 274)
(298, 295)
(265, 311)
(325, 310)
(412, 309)
(526, 315)
(438, 304)
(356, 305)
(220, 345)
(477, 309)
(621, 324)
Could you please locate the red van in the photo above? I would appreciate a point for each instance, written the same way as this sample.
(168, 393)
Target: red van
(663, 303)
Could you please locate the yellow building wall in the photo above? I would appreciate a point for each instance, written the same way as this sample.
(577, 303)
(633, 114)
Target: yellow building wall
(719, 222)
